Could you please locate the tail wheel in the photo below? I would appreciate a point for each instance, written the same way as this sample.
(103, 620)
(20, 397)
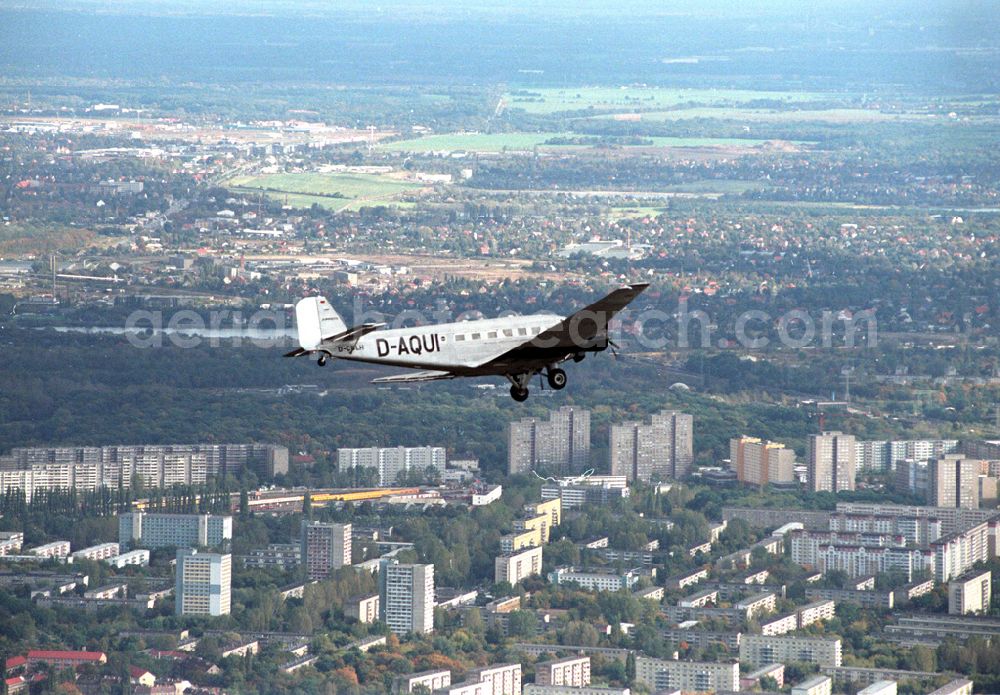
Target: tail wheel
(321, 361)
(519, 393)
(557, 378)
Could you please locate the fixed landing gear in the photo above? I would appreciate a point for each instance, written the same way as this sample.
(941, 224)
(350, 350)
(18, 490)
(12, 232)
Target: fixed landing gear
(519, 386)
(519, 393)
(556, 378)
(321, 361)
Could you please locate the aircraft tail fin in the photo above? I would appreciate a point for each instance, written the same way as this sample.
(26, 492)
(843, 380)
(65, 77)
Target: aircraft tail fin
(315, 321)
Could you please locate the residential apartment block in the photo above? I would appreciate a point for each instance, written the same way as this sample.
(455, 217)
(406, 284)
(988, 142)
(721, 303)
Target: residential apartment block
(573, 671)
(970, 593)
(513, 567)
(325, 548)
(559, 445)
(394, 464)
(830, 462)
(661, 450)
(759, 650)
(594, 579)
(90, 468)
(406, 596)
(663, 674)
(162, 530)
(759, 462)
(204, 583)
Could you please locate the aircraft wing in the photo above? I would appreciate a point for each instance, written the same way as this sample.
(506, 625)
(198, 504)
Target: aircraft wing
(591, 321)
(431, 375)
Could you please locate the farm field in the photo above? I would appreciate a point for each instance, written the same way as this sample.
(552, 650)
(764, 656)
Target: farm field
(475, 142)
(499, 142)
(333, 191)
(624, 99)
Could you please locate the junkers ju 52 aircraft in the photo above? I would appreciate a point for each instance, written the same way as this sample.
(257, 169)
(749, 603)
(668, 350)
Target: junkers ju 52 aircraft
(515, 347)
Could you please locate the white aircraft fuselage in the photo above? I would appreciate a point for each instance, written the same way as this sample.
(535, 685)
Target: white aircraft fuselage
(516, 347)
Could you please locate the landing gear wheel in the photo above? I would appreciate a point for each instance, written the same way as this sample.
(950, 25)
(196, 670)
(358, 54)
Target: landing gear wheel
(321, 361)
(557, 378)
(519, 394)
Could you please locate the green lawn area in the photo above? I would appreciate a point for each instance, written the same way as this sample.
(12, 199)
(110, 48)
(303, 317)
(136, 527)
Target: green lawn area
(626, 99)
(334, 191)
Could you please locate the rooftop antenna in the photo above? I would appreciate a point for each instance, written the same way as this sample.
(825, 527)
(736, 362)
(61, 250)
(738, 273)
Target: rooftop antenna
(371, 138)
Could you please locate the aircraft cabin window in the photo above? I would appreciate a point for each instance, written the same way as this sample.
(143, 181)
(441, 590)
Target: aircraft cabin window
(475, 336)
(492, 334)
(459, 337)
(508, 332)
(522, 331)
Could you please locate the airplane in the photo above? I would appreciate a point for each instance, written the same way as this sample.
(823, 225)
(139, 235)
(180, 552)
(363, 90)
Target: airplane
(515, 347)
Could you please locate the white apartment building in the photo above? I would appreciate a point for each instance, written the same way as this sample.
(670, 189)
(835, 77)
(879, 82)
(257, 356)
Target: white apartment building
(573, 671)
(594, 580)
(53, 549)
(663, 674)
(513, 567)
(139, 558)
(498, 679)
(432, 680)
(11, 542)
(971, 593)
(102, 551)
(406, 596)
(817, 685)
(393, 463)
(163, 530)
(363, 608)
(781, 625)
(90, 468)
(956, 553)
(203, 583)
(536, 689)
(823, 609)
(759, 650)
(886, 455)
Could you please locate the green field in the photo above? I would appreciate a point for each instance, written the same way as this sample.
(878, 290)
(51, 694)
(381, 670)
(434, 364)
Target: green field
(517, 142)
(621, 212)
(335, 191)
(626, 99)
(834, 116)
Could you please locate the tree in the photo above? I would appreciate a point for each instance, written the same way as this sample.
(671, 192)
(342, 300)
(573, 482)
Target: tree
(522, 624)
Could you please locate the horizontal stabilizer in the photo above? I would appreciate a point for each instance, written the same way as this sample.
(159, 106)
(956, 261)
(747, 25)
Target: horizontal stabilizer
(353, 334)
(297, 352)
(414, 376)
